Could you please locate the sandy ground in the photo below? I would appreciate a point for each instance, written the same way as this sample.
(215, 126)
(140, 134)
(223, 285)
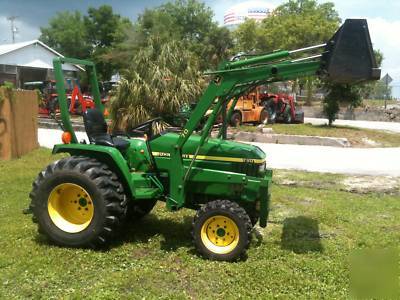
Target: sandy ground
(377, 184)
(387, 126)
(362, 161)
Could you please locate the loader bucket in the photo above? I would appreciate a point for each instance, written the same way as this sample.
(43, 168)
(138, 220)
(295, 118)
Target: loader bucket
(348, 55)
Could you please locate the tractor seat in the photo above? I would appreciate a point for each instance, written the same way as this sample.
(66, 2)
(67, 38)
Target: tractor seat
(96, 130)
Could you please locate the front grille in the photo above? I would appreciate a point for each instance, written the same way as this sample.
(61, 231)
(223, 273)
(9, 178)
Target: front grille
(250, 169)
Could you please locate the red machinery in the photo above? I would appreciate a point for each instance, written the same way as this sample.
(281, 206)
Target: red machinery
(281, 108)
(49, 103)
(85, 101)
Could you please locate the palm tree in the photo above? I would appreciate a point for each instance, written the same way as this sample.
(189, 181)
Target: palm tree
(160, 79)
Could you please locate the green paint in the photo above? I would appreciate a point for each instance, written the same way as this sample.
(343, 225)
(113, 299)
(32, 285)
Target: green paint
(62, 97)
(185, 169)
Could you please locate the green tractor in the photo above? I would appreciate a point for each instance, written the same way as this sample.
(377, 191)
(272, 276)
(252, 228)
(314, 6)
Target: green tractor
(84, 199)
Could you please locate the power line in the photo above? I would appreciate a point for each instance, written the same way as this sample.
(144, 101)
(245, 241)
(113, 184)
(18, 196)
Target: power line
(14, 29)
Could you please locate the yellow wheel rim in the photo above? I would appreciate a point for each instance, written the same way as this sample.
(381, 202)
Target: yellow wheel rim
(70, 207)
(220, 234)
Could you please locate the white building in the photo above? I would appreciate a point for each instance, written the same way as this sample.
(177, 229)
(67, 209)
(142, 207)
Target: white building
(30, 61)
(237, 14)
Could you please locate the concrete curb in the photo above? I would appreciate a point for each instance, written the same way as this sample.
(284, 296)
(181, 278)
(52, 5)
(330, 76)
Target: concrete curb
(291, 139)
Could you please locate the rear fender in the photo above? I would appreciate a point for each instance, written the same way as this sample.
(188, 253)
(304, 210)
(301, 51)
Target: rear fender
(108, 155)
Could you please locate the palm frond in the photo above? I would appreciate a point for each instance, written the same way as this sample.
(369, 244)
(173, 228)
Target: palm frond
(158, 82)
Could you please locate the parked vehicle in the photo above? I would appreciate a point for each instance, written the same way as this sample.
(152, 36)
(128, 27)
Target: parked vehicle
(83, 200)
(47, 89)
(282, 108)
(249, 109)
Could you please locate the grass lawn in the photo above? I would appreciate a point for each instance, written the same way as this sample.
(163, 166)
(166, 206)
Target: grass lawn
(314, 225)
(354, 135)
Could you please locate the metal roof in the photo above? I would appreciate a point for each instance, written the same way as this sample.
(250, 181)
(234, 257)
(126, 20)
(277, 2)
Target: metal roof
(7, 48)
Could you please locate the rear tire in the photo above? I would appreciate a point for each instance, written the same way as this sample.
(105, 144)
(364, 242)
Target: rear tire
(270, 107)
(288, 118)
(236, 119)
(264, 118)
(53, 105)
(301, 121)
(78, 202)
(272, 118)
(221, 230)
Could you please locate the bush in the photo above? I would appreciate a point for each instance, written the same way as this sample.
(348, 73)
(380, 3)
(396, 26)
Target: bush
(340, 93)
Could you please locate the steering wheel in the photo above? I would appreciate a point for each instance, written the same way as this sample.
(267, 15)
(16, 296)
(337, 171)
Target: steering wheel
(145, 128)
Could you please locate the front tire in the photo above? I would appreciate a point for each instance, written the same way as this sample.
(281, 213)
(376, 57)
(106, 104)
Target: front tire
(78, 202)
(221, 230)
(138, 209)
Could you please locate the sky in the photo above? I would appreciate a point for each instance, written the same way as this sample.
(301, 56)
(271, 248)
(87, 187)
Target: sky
(383, 20)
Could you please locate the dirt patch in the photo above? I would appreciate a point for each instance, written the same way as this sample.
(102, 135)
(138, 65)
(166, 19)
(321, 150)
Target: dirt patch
(370, 142)
(354, 184)
(371, 184)
(288, 182)
(314, 184)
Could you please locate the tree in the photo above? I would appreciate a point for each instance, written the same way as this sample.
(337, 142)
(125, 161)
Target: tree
(160, 79)
(164, 53)
(89, 36)
(381, 91)
(101, 25)
(188, 21)
(310, 89)
(103, 28)
(298, 23)
(67, 34)
(371, 88)
(294, 24)
(340, 93)
(247, 36)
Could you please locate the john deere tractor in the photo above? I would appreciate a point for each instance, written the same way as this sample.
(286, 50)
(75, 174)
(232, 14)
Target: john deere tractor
(83, 200)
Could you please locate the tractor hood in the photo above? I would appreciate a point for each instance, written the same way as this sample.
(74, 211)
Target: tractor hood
(214, 149)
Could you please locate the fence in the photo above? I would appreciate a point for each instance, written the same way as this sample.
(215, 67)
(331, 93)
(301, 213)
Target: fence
(18, 123)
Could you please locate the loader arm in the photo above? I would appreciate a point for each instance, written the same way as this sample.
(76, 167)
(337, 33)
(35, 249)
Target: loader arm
(346, 58)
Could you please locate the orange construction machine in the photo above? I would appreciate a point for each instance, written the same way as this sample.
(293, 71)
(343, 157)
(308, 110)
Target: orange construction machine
(249, 109)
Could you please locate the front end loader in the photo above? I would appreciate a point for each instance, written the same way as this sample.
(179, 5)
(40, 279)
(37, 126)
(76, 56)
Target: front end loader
(82, 200)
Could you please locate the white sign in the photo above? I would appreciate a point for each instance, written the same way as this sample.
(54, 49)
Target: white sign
(387, 79)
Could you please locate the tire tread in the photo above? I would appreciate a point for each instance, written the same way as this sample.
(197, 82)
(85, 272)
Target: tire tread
(107, 183)
(233, 208)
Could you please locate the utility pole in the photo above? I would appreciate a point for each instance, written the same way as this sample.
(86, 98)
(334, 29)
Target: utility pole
(14, 29)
